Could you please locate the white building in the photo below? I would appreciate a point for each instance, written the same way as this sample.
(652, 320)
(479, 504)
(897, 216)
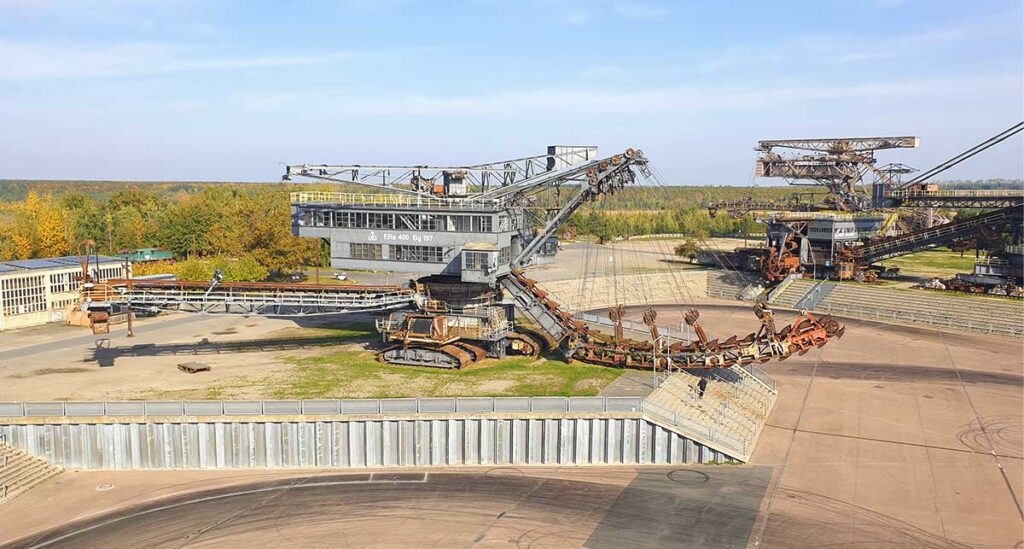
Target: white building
(37, 291)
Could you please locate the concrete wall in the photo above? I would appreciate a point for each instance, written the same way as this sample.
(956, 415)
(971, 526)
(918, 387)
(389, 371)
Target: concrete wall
(297, 441)
(633, 289)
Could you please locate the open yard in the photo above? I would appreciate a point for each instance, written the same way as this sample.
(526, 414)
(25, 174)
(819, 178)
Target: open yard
(941, 262)
(263, 358)
(349, 370)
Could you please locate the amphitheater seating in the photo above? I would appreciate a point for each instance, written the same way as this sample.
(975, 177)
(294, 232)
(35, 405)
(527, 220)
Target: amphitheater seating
(913, 306)
(20, 472)
(728, 284)
(791, 294)
(734, 406)
(628, 289)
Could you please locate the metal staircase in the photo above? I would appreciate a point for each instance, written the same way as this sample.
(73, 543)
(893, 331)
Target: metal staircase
(936, 236)
(815, 295)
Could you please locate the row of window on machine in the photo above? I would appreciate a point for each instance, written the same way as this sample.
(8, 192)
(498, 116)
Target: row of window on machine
(411, 222)
(395, 252)
(472, 260)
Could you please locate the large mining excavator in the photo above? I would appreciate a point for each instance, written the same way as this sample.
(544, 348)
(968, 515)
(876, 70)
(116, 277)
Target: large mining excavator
(841, 233)
(476, 267)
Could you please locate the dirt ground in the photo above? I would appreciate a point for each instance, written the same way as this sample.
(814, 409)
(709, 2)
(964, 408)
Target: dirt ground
(256, 358)
(66, 363)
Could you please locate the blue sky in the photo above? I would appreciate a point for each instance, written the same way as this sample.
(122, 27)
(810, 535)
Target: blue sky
(222, 90)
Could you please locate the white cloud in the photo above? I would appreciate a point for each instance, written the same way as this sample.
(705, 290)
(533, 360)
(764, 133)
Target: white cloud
(31, 61)
(866, 48)
(543, 103)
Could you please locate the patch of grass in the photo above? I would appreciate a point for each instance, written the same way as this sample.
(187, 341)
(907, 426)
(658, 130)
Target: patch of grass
(357, 374)
(215, 392)
(937, 262)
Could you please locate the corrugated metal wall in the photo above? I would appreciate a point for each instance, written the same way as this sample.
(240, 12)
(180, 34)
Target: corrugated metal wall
(356, 443)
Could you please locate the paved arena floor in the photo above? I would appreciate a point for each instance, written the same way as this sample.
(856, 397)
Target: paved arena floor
(499, 507)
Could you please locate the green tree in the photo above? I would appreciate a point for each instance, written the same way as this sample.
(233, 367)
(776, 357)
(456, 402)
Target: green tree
(185, 227)
(687, 248)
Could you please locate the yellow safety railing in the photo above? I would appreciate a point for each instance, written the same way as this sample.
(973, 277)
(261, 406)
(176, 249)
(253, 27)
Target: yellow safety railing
(828, 216)
(957, 193)
(384, 200)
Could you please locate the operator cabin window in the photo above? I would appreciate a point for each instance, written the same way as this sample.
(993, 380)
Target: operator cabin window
(429, 222)
(366, 251)
(481, 223)
(418, 254)
(460, 223)
(381, 221)
(475, 261)
(345, 219)
(351, 220)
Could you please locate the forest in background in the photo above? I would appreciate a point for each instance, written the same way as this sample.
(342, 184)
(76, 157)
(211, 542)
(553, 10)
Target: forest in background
(15, 190)
(250, 223)
(241, 222)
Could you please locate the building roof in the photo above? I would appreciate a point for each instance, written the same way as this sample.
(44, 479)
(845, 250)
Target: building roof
(480, 246)
(51, 263)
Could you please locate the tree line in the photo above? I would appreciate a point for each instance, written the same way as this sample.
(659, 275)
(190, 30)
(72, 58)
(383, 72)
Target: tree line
(217, 222)
(690, 221)
(231, 221)
(253, 220)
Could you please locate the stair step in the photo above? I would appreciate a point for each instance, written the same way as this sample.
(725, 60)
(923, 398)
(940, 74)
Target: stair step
(23, 471)
(15, 468)
(15, 492)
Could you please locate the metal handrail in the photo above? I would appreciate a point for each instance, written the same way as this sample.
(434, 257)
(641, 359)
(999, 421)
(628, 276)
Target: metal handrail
(931, 319)
(781, 287)
(315, 407)
(955, 193)
(695, 429)
(386, 200)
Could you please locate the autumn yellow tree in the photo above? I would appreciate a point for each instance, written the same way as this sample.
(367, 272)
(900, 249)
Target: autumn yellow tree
(26, 217)
(52, 231)
(22, 241)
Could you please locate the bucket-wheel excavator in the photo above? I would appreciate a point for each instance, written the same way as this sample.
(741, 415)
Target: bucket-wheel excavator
(514, 209)
(472, 232)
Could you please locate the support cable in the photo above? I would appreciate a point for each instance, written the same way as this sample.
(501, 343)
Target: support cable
(988, 143)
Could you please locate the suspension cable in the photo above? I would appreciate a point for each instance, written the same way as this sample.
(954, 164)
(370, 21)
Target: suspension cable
(990, 142)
